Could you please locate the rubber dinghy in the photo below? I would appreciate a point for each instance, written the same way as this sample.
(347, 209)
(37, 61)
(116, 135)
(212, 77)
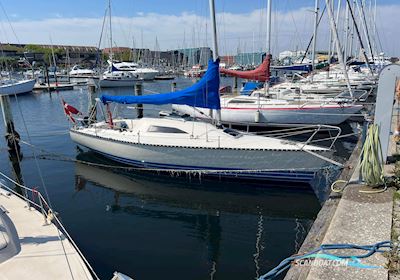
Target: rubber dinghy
(170, 144)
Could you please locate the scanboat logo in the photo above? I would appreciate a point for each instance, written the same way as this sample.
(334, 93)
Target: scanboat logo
(330, 260)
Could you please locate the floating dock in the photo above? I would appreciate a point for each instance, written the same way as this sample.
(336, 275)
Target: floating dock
(53, 87)
(36, 249)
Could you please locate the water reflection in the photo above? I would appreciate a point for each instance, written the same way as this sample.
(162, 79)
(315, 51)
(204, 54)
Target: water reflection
(232, 224)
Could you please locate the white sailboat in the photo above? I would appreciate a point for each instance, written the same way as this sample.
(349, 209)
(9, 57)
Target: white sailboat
(254, 110)
(12, 86)
(113, 77)
(259, 108)
(174, 144)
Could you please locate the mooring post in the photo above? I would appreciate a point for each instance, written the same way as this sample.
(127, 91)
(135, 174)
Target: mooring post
(12, 138)
(139, 92)
(173, 87)
(47, 78)
(92, 104)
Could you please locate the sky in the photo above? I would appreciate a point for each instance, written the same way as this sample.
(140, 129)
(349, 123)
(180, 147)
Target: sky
(181, 23)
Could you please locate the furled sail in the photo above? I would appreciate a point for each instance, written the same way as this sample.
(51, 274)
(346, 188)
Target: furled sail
(203, 94)
(261, 73)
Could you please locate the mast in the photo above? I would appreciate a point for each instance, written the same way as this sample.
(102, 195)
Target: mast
(215, 45)
(352, 29)
(330, 46)
(213, 30)
(111, 47)
(269, 2)
(359, 37)
(338, 47)
(346, 33)
(315, 35)
(374, 27)
(268, 50)
(364, 26)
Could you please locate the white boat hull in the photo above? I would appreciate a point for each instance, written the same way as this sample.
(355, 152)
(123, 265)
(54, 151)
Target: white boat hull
(275, 165)
(147, 76)
(330, 115)
(18, 87)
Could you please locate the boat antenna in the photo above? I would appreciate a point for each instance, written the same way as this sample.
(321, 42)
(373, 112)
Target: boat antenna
(215, 47)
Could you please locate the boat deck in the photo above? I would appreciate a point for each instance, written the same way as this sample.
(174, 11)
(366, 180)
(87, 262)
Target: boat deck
(40, 254)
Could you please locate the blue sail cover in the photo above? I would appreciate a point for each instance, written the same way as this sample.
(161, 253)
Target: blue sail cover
(203, 94)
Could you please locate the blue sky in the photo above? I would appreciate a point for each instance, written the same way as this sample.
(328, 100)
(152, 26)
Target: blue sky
(39, 9)
(241, 23)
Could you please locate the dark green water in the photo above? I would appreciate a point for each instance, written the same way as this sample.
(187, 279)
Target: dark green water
(152, 227)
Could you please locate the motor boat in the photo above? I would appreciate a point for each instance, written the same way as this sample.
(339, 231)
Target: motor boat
(111, 79)
(79, 72)
(144, 73)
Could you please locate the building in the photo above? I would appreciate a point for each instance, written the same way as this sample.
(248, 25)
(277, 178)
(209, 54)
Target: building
(194, 56)
(43, 54)
(250, 58)
(228, 60)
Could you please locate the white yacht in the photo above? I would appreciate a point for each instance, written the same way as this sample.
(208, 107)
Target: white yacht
(144, 73)
(111, 79)
(79, 72)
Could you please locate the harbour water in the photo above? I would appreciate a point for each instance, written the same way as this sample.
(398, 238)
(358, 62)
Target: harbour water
(150, 226)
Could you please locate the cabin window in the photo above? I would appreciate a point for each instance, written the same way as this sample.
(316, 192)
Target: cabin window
(241, 102)
(165, 129)
(233, 132)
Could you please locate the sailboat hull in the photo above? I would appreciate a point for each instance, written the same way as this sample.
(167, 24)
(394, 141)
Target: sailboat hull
(271, 165)
(332, 115)
(18, 87)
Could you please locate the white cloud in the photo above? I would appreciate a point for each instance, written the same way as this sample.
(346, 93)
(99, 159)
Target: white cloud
(290, 30)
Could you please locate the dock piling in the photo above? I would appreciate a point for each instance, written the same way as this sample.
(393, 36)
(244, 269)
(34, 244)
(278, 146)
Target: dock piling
(173, 87)
(12, 138)
(92, 104)
(47, 79)
(139, 92)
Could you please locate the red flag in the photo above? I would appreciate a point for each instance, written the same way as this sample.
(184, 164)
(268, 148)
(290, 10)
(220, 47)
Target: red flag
(68, 109)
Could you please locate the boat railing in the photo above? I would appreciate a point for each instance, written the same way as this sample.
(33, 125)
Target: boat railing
(334, 138)
(34, 198)
(335, 133)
